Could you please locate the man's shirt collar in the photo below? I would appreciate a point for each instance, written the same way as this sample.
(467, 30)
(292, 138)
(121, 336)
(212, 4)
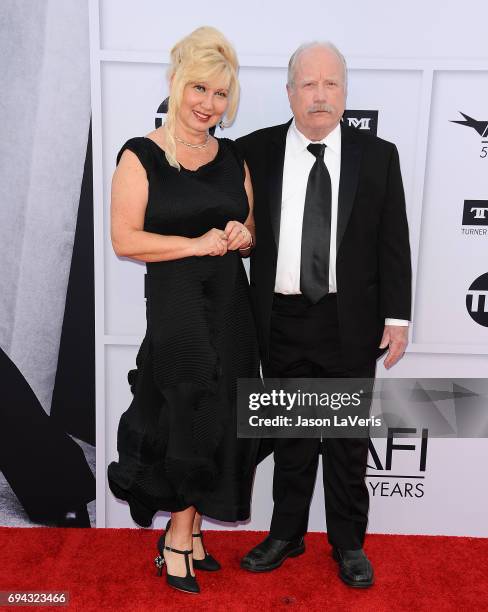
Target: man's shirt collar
(299, 142)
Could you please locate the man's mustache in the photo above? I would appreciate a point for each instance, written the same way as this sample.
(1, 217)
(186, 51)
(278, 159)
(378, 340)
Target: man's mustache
(325, 108)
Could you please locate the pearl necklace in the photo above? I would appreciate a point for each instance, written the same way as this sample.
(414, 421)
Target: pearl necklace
(191, 145)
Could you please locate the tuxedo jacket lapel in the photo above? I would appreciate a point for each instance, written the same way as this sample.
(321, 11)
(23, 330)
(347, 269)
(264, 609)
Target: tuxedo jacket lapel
(348, 182)
(275, 176)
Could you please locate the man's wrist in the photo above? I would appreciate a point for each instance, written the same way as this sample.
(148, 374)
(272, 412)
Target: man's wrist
(399, 322)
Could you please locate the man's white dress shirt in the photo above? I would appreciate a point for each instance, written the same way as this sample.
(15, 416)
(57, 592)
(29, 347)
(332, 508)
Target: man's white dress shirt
(297, 166)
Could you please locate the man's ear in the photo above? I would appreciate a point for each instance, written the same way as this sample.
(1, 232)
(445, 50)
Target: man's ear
(289, 90)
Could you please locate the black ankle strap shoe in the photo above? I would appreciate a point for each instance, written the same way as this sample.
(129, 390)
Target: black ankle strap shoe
(208, 563)
(187, 583)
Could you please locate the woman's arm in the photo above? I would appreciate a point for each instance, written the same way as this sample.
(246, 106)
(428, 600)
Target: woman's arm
(128, 207)
(236, 240)
(249, 222)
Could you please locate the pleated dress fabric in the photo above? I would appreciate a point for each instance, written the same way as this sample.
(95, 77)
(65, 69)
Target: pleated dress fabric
(177, 441)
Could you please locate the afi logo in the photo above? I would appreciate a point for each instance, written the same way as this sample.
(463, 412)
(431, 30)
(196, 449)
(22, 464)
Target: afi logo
(361, 124)
(479, 126)
(382, 482)
(392, 446)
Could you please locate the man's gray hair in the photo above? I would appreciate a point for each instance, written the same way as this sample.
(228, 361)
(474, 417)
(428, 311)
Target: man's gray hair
(310, 45)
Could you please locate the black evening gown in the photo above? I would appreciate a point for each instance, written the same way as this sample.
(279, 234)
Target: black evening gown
(177, 441)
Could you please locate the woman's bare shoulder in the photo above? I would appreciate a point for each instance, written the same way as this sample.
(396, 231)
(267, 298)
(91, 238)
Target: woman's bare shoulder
(157, 136)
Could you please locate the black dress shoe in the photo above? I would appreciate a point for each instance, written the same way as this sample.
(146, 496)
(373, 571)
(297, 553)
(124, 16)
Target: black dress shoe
(271, 553)
(355, 568)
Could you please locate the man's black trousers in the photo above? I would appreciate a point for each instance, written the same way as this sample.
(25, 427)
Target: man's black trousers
(305, 343)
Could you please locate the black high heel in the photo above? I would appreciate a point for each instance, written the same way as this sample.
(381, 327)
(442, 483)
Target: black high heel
(209, 563)
(187, 583)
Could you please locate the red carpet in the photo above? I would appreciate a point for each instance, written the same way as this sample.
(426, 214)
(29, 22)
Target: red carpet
(113, 569)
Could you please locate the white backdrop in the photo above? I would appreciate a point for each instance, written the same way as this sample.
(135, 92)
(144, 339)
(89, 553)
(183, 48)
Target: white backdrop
(37, 135)
(418, 66)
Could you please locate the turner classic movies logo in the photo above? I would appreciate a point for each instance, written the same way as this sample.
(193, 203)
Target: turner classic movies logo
(475, 214)
(481, 127)
(385, 478)
(477, 300)
(362, 120)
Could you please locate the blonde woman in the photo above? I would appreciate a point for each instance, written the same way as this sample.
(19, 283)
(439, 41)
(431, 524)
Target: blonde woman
(182, 203)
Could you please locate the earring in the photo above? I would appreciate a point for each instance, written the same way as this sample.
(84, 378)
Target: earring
(221, 124)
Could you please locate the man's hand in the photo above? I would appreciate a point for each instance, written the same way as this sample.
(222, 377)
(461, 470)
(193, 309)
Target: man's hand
(396, 338)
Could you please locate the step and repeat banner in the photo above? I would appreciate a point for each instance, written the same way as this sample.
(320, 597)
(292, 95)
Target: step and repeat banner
(418, 77)
(408, 89)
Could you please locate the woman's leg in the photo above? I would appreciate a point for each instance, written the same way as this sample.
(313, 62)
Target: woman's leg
(198, 550)
(179, 536)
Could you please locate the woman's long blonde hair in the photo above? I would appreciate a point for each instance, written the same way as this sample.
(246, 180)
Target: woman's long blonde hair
(203, 55)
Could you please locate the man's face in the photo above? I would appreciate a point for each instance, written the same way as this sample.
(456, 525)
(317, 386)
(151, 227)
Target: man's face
(317, 96)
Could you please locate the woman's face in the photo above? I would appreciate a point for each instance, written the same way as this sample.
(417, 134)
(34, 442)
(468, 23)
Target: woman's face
(203, 104)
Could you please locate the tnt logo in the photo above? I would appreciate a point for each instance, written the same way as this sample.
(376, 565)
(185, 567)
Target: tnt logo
(477, 300)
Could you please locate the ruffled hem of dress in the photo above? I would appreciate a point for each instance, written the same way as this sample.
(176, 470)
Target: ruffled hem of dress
(143, 507)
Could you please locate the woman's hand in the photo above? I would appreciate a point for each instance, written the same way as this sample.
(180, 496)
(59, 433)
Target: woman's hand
(214, 242)
(238, 236)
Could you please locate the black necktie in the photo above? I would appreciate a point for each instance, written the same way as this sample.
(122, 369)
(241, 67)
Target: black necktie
(314, 267)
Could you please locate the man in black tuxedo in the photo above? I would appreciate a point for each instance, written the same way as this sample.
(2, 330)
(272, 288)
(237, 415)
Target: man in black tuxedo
(331, 290)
